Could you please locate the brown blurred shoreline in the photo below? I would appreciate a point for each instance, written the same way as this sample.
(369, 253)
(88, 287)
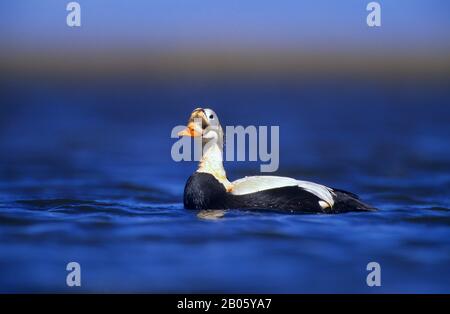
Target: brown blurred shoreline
(249, 64)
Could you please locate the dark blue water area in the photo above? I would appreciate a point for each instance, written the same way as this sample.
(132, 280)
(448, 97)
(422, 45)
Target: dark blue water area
(86, 175)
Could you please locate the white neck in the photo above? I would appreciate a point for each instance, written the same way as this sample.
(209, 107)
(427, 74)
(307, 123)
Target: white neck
(212, 163)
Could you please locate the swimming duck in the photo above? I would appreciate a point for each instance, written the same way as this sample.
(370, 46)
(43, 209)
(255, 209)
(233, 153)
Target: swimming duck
(209, 187)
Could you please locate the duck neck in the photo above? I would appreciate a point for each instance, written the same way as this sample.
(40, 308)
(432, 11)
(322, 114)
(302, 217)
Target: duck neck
(212, 163)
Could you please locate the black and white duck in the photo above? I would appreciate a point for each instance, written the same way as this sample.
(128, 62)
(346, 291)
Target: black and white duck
(209, 187)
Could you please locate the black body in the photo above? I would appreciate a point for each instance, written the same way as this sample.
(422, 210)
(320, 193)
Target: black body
(204, 191)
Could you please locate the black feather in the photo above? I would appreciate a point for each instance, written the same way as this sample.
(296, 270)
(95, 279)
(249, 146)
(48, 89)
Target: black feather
(349, 202)
(204, 191)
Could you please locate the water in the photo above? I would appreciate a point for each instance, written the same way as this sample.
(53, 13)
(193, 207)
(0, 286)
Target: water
(86, 176)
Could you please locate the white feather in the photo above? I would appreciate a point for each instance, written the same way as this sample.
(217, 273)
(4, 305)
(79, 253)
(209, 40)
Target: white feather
(254, 184)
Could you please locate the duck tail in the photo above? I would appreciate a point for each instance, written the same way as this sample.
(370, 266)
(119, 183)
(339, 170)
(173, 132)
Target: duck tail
(345, 202)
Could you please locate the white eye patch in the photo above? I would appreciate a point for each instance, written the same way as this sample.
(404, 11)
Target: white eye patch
(210, 115)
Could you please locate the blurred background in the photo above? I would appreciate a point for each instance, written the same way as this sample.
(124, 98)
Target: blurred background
(85, 120)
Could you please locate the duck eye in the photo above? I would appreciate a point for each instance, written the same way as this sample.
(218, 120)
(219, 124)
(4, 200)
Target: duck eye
(211, 116)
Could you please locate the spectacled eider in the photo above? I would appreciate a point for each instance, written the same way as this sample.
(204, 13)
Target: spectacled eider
(209, 188)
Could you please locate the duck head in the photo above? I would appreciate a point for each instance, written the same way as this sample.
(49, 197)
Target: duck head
(204, 123)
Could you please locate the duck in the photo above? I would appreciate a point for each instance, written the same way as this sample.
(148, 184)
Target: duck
(208, 188)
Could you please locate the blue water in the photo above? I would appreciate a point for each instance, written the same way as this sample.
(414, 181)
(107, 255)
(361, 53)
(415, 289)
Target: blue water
(86, 176)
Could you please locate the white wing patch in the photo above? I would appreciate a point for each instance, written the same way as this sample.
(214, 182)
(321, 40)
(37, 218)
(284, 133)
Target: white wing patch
(254, 184)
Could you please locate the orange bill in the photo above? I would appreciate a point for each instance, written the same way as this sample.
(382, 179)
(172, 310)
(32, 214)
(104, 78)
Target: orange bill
(191, 130)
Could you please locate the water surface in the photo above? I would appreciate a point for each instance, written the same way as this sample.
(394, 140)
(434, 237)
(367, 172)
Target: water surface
(86, 176)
